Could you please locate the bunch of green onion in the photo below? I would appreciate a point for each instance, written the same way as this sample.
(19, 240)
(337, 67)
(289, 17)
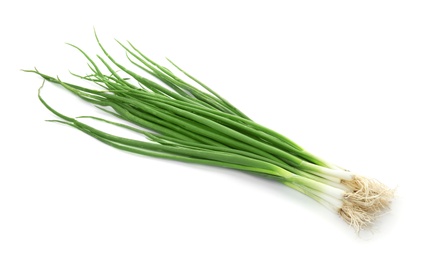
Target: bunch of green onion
(187, 124)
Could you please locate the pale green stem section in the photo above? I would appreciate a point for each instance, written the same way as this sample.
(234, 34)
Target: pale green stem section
(317, 177)
(315, 185)
(325, 172)
(328, 202)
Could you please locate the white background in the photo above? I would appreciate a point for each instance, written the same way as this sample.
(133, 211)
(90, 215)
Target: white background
(342, 78)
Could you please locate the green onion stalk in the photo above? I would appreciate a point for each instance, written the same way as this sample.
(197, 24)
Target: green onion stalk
(190, 122)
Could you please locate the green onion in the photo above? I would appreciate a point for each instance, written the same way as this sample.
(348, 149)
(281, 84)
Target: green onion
(184, 123)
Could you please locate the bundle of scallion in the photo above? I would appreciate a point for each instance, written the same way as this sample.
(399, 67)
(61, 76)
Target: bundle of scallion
(191, 125)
